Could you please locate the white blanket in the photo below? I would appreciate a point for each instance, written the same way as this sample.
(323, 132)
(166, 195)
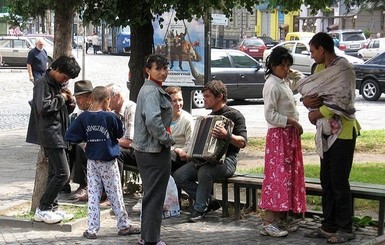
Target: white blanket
(336, 85)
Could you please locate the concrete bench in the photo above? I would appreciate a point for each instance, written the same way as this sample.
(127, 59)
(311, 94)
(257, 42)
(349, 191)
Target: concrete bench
(251, 183)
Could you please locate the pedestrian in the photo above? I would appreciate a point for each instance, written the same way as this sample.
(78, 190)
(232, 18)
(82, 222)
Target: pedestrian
(152, 143)
(95, 43)
(198, 181)
(337, 91)
(82, 93)
(37, 61)
(181, 131)
(283, 187)
(50, 105)
(101, 129)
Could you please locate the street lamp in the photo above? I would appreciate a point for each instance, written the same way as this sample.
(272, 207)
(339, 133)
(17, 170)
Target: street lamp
(354, 21)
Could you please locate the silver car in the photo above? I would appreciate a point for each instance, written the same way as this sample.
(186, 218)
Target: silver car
(14, 50)
(300, 50)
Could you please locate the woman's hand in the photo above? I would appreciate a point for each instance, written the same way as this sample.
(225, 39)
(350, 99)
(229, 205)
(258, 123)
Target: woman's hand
(312, 101)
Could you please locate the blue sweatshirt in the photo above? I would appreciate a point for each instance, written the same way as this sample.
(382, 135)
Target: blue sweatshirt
(101, 130)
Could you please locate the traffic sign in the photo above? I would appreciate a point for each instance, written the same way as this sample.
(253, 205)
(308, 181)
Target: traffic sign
(219, 19)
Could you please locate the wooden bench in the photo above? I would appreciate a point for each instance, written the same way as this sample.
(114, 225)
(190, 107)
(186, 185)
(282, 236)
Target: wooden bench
(252, 183)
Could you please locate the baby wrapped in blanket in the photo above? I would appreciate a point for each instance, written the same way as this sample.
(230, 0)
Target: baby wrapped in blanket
(336, 85)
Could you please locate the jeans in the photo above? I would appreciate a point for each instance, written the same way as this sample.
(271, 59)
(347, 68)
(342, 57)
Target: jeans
(126, 157)
(198, 181)
(80, 165)
(58, 174)
(336, 195)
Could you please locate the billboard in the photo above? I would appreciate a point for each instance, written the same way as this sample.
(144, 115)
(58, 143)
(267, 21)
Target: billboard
(182, 42)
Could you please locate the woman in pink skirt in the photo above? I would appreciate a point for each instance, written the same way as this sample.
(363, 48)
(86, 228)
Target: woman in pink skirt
(283, 188)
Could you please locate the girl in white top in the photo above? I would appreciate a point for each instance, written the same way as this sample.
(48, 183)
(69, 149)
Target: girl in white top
(283, 187)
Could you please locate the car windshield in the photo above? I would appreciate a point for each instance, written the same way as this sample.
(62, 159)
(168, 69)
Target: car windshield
(267, 39)
(253, 42)
(353, 36)
(377, 60)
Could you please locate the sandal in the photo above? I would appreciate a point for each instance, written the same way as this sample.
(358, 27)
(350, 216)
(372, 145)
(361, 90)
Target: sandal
(319, 233)
(89, 235)
(341, 237)
(129, 230)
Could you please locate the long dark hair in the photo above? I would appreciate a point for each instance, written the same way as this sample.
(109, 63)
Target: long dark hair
(277, 56)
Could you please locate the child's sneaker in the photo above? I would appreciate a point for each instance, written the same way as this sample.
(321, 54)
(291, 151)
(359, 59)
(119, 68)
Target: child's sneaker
(47, 216)
(273, 231)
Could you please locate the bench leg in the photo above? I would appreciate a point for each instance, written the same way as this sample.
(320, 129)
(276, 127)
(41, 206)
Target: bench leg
(225, 200)
(381, 214)
(237, 202)
(254, 196)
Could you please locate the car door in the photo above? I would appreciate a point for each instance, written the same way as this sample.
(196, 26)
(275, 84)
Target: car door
(250, 76)
(222, 69)
(20, 51)
(302, 60)
(6, 50)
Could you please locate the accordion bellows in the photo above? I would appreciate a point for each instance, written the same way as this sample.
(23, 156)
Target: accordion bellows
(204, 147)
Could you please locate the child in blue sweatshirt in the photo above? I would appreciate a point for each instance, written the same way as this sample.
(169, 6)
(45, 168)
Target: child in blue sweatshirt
(101, 129)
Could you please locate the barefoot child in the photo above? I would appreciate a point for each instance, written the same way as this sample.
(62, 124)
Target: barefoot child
(101, 129)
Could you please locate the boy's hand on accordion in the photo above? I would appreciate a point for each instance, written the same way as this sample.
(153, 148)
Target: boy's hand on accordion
(219, 132)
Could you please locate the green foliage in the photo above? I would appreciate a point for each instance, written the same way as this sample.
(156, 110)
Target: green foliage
(363, 222)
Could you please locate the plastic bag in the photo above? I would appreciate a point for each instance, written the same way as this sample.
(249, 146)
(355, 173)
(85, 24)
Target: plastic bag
(171, 202)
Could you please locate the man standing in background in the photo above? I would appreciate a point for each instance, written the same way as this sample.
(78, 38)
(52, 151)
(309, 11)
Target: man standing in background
(37, 61)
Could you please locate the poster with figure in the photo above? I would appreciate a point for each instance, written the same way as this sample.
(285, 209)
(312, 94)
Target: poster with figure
(182, 42)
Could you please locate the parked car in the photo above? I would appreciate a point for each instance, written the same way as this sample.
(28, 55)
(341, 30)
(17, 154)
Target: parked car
(300, 50)
(350, 40)
(46, 37)
(269, 42)
(252, 46)
(374, 47)
(304, 36)
(370, 77)
(14, 50)
(242, 75)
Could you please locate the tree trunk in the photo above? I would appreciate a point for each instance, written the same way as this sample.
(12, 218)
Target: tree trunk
(63, 29)
(141, 46)
(40, 179)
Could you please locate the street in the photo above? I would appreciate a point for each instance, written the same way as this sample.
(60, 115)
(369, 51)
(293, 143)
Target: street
(101, 69)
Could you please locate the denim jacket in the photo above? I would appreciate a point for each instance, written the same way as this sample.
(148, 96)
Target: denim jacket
(152, 117)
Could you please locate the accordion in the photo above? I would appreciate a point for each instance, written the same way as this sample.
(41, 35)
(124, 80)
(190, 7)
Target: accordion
(204, 147)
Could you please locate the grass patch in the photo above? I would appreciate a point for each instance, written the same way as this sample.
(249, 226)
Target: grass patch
(370, 141)
(79, 212)
(372, 173)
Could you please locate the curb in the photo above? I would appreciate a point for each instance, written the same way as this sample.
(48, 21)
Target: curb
(64, 227)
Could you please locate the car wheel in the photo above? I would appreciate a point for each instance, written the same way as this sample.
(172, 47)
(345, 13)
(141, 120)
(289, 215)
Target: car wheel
(361, 57)
(370, 90)
(313, 68)
(198, 99)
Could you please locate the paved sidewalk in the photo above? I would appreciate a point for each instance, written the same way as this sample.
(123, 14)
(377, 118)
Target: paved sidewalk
(17, 163)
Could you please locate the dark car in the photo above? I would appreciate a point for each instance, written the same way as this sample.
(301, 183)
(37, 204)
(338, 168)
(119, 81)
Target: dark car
(252, 46)
(242, 75)
(269, 42)
(370, 77)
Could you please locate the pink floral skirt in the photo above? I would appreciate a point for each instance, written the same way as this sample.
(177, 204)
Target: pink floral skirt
(283, 187)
